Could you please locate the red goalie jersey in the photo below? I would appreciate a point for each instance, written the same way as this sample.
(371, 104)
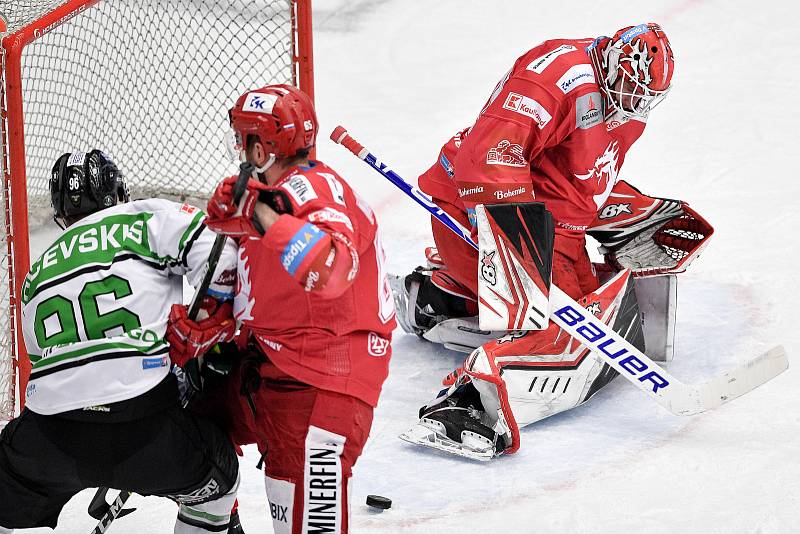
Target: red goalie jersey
(544, 134)
(313, 292)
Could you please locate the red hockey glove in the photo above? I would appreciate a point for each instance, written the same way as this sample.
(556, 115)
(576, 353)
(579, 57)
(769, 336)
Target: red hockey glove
(189, 339)
(225, 217)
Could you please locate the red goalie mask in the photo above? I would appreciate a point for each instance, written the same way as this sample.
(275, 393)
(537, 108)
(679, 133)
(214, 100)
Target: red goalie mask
(282, 116)
(634, 68)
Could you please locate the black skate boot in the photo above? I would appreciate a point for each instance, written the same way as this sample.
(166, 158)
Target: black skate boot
(457, 424)
(421, 304)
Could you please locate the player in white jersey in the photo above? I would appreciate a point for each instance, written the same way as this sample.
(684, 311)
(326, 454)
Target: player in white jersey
(102, 407)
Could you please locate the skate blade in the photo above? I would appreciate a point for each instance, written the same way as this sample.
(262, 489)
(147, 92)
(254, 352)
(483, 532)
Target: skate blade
(423, 435)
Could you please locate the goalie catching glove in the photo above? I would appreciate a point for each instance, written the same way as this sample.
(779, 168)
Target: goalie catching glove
(189, 339)
(238, 221)
(648, 235)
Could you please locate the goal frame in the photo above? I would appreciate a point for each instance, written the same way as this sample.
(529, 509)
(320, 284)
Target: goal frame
(12, 134)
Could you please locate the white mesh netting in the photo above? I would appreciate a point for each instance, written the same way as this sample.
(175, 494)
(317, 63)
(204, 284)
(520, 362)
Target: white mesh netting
(147, 81)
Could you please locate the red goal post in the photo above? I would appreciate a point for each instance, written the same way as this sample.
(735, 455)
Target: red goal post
(147, 81)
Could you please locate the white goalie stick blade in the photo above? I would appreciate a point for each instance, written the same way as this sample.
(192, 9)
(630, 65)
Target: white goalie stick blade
(746, 377)
(635, 366)
(426, 434)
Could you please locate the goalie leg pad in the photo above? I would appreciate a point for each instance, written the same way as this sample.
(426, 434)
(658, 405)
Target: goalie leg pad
(514, 265)
(527, 376)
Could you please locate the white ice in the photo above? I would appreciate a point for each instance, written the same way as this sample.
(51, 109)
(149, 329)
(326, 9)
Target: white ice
(402, 76)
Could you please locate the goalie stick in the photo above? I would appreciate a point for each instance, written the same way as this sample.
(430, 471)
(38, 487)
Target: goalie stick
(98, 507)
(677, 397)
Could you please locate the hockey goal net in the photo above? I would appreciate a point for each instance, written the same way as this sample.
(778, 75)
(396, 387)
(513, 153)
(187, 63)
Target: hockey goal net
(147, 81)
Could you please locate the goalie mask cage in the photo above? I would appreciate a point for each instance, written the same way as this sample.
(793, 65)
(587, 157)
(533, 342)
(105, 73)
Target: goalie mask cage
(147, 81)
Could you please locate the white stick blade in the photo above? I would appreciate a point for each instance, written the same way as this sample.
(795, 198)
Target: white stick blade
(744, 378)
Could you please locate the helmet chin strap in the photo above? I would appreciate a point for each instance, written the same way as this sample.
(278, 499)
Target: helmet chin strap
(266, 165)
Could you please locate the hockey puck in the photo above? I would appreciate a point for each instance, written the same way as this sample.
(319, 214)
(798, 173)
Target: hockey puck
(376, 501)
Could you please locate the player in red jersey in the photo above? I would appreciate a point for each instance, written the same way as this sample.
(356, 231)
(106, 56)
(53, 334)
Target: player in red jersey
(555, 130)
(315, 308)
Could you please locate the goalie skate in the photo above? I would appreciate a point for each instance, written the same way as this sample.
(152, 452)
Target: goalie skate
(432, 434)
(455, 422)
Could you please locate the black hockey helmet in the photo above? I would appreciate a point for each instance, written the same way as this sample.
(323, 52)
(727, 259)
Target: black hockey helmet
(83, 183)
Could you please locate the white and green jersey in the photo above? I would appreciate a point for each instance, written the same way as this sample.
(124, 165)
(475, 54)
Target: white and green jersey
(96, 303)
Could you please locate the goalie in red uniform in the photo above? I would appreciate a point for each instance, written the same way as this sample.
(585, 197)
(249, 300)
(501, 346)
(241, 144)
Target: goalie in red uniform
(555, 130)
(315, 308)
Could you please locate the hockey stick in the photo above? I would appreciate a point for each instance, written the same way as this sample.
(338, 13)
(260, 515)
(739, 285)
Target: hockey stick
(99, 508)
(677, 397)
(193, 367)
(113, 510)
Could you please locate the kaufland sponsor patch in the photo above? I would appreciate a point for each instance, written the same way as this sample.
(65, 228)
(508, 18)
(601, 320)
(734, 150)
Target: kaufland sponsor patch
(529, 107)
(259, 103)
(576, 76)
(300, 189)
(331, 215)
(539, 64)
(297, 249)
(587, 111)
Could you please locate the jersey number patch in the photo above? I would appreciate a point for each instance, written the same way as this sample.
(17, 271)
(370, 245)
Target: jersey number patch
(56, 322)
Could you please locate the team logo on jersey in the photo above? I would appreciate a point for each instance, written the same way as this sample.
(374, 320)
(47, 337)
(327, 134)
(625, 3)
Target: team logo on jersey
(488, 270)
(605, 171)
(612, 210)
(506, 153)
(576, 76)
(376, 345)
(529, 107)
(587, 112)
(259, 103)
(539, 64)
(300, 189)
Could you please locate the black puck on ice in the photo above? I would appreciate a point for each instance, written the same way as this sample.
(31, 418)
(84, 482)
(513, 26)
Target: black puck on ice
(376, 501)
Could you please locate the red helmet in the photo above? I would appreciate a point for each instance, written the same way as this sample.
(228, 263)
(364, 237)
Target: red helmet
(635, 68)
(280, 115)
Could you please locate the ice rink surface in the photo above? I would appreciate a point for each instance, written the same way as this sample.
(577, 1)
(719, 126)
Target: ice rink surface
(403, 76)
